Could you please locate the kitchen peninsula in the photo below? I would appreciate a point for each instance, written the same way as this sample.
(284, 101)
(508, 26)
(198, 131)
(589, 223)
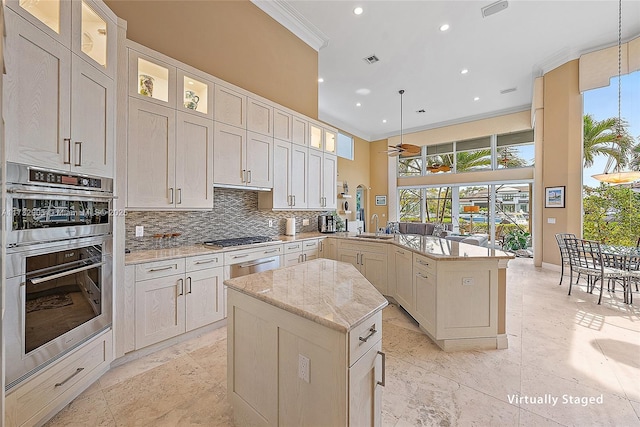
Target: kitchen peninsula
(302, 339)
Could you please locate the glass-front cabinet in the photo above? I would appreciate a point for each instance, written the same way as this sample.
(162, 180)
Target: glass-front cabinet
(151, 79)
(195, 95)
(315, 136)
(52, 16)
(330, 137)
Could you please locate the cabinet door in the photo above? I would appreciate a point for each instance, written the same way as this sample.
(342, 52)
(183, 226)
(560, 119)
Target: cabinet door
(424, 284)
(36, 98)
(92, 120)
(150, 155)
(53, 17)
(281, 174)
(159, 309)
(373, 266)
(300, 131)
(299, 176)
(329, 170)
(291, 259)
(259, 117)
(365, 394)
(259, 160)
(282, 125)
(203, 297)
(151, 79)
(194, 162)
(94, 35)
(330, 141)
(228, 146)
(315, 193)
(315, 136)
(349, 255)
(195, 95)
(230, 107)
(404, 279)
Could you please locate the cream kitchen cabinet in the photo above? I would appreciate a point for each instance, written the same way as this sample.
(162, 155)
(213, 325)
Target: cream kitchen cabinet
(300, 251)
(195, 94)
(369, 258)
(230, 107)
(322, 138)
(424, 288)
(47, 123)
(300, 131)
(323, 168)
(401, 277)
(176, 296)
(169, 158)
(152, 79)
(290, 178)
(259, 117)
(241, 158)
(282, 125)
(327, 248)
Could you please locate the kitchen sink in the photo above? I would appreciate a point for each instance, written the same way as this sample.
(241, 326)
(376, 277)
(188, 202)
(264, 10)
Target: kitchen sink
(373, 236)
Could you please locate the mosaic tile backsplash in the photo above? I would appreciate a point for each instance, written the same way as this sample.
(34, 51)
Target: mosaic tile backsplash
(235, 214)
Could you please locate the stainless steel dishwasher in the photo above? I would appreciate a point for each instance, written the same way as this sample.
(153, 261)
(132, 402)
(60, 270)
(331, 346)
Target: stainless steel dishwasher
(255, 266)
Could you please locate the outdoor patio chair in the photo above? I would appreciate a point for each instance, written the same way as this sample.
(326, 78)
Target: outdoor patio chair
(585, 257)
(564, 255)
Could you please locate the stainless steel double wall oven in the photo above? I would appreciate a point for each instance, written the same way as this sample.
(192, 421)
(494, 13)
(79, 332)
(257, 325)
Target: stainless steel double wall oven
(59, 265)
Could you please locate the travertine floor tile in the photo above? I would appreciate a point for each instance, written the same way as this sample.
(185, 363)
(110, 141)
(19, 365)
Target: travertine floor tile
(90, 410)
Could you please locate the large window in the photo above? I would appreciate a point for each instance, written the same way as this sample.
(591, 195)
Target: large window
(410, 166)
(515, 150)
(410, 205)
(345, 146)
(473, 155)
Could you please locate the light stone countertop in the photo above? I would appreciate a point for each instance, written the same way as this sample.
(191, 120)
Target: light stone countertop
(331, 293)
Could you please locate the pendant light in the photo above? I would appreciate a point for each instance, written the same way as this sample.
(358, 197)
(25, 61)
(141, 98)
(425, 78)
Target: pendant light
(619, 177)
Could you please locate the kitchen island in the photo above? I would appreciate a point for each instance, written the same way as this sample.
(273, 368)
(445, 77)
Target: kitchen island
(304, 346)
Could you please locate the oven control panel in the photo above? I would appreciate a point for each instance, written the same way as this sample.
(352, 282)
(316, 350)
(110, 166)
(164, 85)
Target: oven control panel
(66, 179)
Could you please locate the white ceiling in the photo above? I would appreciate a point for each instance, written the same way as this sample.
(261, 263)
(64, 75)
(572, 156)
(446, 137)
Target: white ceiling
(502, 51)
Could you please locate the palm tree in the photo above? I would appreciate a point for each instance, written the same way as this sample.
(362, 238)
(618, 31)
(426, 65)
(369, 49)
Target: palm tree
(601, 139)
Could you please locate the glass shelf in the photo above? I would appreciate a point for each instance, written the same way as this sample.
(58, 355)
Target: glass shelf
(153, 80)
(94, 35)
(195, 95)
(47, 12)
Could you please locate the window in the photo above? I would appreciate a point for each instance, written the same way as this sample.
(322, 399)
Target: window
(345, 146)
(438, 204)
(440, 158)
(410, 205)
(473, 154)
(515, 150)
(410, 166)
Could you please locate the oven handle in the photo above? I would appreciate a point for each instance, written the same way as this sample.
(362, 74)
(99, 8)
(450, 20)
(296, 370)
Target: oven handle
(39, 280)
(266, 261)
(60, 193)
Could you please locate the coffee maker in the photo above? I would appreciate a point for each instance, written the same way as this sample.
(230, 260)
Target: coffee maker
(326, 224)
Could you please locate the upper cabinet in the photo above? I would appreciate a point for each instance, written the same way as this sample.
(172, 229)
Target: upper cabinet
(48, 123)
(300, 131)
(282, 125)
(259, 117)
(315, 136)
(330, 140)
(152, 79)
(230, 107)
(322, 138)
(195, 95)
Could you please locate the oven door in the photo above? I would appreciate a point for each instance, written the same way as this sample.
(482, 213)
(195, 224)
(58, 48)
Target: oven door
(40, 214)
(58, 296)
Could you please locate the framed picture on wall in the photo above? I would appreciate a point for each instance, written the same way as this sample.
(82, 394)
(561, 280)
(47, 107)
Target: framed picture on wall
(381, 200)
(554, 197)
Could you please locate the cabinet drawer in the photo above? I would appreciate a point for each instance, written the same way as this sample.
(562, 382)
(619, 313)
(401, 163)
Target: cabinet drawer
(364, 336)
(201, 262)
(57, 383)
(251, 254)
(292, 247)
(153, 270)
(378, 248)
(310, 245)
(424, 263)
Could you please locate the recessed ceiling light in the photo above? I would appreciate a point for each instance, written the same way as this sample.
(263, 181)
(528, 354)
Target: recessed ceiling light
(190, 82)
(358, 104)
(384, 120)
(444, 27)
(320, 80)
(477, 98)
(358, 10)
(464, 71)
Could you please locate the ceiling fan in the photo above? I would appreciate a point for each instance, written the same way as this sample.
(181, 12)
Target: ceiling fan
(401, 149)
(438, 167)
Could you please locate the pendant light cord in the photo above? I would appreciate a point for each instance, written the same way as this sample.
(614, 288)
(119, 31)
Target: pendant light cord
(401, 92)
(619, 69)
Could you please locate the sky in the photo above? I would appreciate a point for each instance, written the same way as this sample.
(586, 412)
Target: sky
(602, 103)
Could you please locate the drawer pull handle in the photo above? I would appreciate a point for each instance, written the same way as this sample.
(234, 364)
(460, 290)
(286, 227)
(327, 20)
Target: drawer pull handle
(384, 369)
(372, 331)
(401, 253)
(151, 270)
(240, 256)
(69, 377)
(423, 263)
(421, 275)
(271, 251)
(206, 262)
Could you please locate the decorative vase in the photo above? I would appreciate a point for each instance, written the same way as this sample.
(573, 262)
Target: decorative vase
(191, 100)
(146, 85)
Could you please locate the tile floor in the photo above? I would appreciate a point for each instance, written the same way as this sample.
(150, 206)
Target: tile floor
(560, 347)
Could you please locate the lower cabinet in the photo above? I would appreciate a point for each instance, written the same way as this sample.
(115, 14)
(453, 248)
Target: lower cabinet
(327, 248)
(424, 285)
(365, 395)
(369, 259)
(402, 277)
(173, 297)
(300, 251)
(42, 396)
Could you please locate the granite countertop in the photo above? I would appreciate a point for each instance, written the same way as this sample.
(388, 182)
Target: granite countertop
(331, 293)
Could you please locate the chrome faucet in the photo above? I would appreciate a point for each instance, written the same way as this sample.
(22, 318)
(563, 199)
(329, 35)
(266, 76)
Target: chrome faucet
(375, 216)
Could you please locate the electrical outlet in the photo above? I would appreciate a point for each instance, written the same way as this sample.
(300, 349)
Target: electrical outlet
(139, 231)
(467, 281)
(303, 368)
(305, 222)
(270, 223)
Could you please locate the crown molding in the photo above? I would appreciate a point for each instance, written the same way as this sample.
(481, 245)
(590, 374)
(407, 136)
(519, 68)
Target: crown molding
(292, 20)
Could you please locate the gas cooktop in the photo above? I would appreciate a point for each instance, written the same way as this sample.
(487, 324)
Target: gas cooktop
(239, 241)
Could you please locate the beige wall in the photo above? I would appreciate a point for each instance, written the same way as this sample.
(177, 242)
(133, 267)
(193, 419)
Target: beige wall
(355, 172)
(562, 155)
(378, 165)
(232, 40)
